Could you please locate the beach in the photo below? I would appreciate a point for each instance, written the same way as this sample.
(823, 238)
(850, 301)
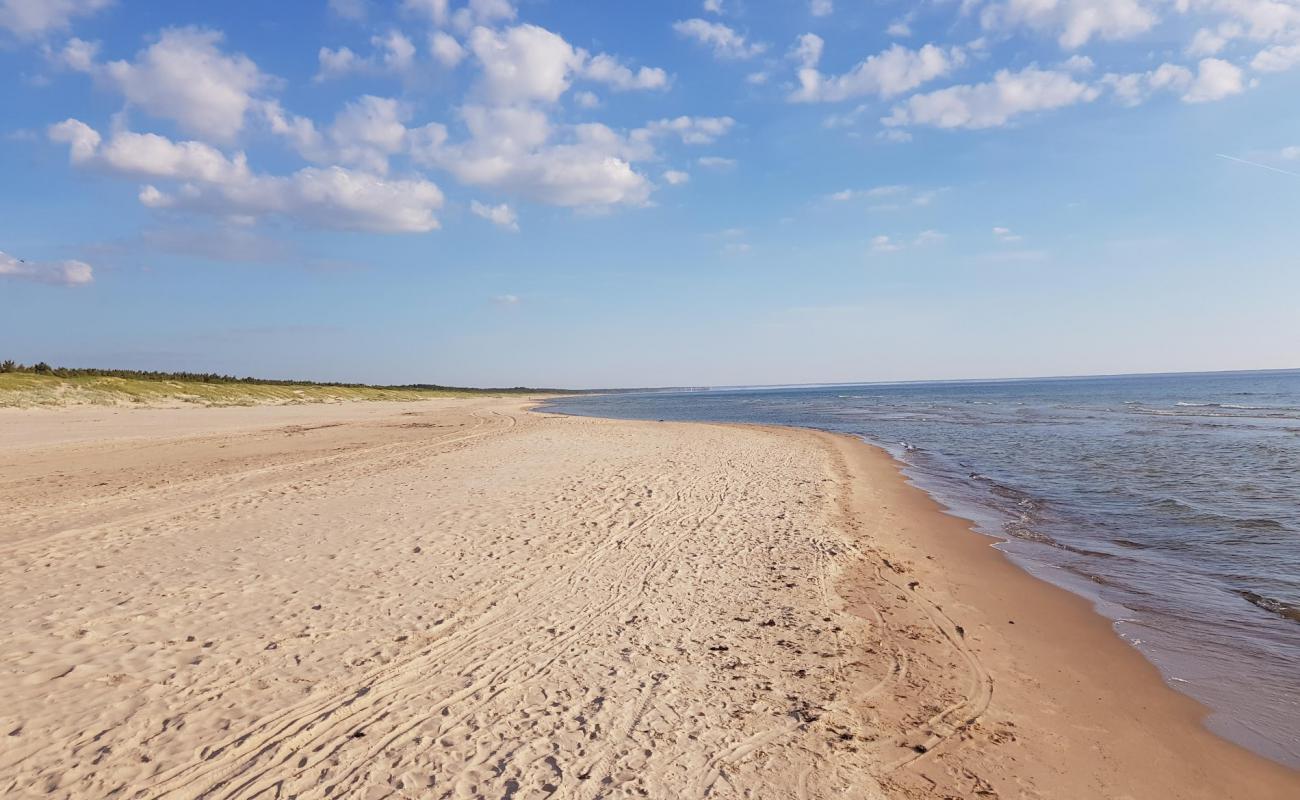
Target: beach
(466, 598)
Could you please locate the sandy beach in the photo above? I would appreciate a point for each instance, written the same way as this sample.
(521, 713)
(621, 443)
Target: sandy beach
(463, 598)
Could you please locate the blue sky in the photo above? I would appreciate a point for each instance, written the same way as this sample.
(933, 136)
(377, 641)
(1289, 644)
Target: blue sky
(596, 194)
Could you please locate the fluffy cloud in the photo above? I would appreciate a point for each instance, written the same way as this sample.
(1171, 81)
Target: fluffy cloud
(207, 181)
(1214, 79)
(691, 130)
(1277, 58)
(992, 104)
(1261, 20)
(184, 76)
(393, 53)
(518, 150)
(887, 74)
(1135, 87)
(675, 177)
(445, 49)
(32, 18)
(884, 244)
(503, 216)
(475, 12)
(891, 197)
(365, 133)
(606, 69)
(64, 273)
(821, 8)
(525, 63)
(717, 163)
(725, 42)
(1075, 21)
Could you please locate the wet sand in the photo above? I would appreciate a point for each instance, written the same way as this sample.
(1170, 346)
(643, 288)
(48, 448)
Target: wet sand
(463, 599)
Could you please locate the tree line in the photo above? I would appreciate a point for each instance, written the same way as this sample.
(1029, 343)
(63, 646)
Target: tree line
(42, 368)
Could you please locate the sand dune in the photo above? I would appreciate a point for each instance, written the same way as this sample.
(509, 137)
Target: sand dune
(463, 599)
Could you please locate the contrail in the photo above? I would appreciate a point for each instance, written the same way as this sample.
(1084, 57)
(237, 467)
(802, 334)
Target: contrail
(1257, 164)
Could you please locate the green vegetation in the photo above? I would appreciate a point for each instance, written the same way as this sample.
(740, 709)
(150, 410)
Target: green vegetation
(43, 385)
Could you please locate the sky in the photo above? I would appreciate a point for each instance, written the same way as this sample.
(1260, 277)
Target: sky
(592, 194)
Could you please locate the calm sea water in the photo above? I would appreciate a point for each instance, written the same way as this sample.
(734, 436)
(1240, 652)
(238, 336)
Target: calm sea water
(1172, 501)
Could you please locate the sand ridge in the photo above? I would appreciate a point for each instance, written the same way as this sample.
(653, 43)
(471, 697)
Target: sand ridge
(464, 599)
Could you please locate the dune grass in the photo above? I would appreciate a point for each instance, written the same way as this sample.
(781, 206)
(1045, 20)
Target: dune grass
(23, 390)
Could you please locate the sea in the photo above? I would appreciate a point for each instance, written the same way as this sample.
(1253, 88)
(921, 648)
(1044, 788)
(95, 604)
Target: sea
(1171, 501)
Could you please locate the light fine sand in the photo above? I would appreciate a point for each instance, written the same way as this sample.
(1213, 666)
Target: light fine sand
(465, 599)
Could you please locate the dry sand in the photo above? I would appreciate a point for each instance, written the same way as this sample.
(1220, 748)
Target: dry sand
(464, 599)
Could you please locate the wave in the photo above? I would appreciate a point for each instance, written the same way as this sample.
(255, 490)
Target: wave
(1280, 607)
(1191, 512)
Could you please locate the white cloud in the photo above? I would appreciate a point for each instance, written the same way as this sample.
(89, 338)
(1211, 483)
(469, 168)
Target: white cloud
(929, 237)
(887, 74)
(606, 69)
(446, 50)
(1075, 21)
(517, 150)
(475, 12)
(393, 53)
(184, 76)
(586, 99)
(589, 165)
(899, 29)
(33, 18)
(716, 162)
(208, 181)
(506, 299)
(1006, 235)
(1261, 20)
(1291, 153)
(713, 6)
(821, 8)
(992, 104)
(64, 273)
(337, 63)
(1135, 87)
(675, 177)
(503, 216)
(890, 197)
(726, 43)
(1215, 80)
(367, 131)
(1207, 42)
(78, 55)
(1078, 63)
(1278, 58)
(884, 244)
(524, 63)
(692, 130)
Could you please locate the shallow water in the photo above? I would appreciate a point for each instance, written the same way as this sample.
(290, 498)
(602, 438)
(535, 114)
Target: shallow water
(1172, 501)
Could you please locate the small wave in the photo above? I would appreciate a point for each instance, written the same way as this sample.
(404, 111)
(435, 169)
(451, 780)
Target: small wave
(1200, 515)
(1281, 608)
(1129, 543)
